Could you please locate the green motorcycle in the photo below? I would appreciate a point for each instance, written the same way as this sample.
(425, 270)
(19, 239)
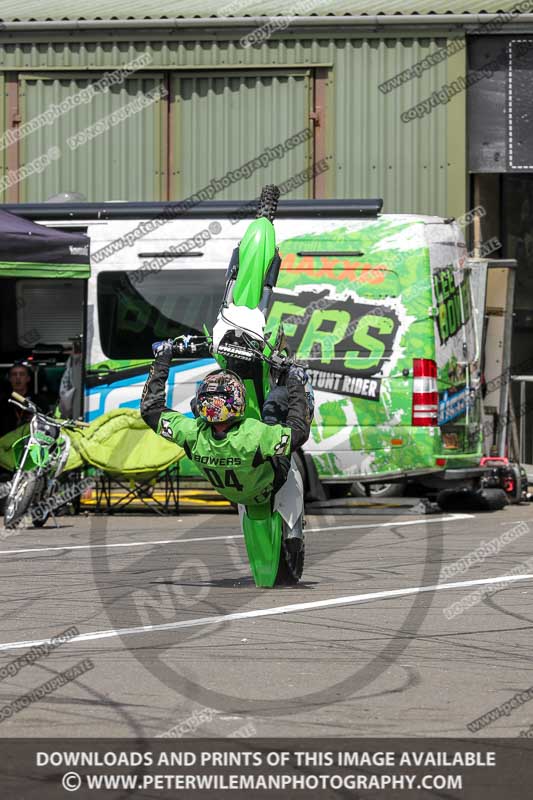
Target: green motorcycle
(40, 458)
(273, 532)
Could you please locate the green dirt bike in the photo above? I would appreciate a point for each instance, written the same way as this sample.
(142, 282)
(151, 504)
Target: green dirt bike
(273, 532)
(40, 458)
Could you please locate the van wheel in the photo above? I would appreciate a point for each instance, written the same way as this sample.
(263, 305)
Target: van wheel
(379, 489)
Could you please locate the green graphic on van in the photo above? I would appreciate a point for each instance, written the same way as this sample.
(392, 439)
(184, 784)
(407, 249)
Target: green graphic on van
(453, 302)
(365, 302)
(349, 341)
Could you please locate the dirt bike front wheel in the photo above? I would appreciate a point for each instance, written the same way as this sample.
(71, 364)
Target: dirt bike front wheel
(20, 501)
(291, 559)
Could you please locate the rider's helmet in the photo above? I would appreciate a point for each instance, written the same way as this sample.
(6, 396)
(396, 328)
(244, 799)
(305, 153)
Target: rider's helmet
(221, 397)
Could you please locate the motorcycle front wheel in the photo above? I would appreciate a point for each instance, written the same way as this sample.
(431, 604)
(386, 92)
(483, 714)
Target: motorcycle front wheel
(20, 501)
(291, 559)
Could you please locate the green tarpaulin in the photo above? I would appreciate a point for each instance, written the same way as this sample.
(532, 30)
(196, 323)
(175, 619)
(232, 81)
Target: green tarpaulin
(118, 442)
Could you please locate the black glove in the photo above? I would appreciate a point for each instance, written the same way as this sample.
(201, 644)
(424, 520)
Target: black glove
(163, 351)
(297, 375)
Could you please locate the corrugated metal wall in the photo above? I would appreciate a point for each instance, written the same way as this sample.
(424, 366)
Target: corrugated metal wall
(120, 160)
(376, 153)
(217, 123)
(225, 122)
(92, 53)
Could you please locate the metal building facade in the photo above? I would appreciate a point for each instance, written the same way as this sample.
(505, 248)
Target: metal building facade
(124, 161)
(223, 105)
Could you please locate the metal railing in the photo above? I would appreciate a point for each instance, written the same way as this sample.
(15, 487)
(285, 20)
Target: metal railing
(522, 380)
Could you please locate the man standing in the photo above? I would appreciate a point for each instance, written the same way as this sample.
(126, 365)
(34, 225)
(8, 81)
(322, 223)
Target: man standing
(20, 377)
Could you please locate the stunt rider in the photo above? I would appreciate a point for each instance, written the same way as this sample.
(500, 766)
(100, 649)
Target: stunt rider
(245, 460)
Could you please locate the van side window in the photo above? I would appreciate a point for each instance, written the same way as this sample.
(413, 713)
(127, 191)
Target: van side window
(132, 313)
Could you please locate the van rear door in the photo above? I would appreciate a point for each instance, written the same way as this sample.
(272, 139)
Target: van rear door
(459, 302)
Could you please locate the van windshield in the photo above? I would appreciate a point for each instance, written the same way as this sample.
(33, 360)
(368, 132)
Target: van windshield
(136, 308)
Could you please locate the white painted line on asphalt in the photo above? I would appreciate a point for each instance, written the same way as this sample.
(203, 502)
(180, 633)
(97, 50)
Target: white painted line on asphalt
(391, 524)
(449, 518)
(295, 608)
(121, 544)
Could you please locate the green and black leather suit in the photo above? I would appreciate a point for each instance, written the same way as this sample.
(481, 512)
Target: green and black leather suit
(248, 463)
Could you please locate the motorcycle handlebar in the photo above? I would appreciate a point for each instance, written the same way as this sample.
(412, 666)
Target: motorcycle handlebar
(69, 423)
(21, 401)
(189, 343)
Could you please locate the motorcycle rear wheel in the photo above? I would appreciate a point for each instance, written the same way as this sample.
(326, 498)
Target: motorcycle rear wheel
(268, 202)
(41, 522)
(20, 502)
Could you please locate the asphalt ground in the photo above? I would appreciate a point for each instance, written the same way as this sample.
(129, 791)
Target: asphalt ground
(356, 649)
